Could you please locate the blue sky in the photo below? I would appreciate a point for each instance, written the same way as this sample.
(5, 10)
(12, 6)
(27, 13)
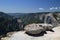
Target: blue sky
(28, 6)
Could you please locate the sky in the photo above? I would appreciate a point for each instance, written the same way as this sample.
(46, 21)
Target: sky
(29, 6)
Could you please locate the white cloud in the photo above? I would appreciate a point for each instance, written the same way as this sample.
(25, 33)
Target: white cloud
(53, 8)
(41, 8)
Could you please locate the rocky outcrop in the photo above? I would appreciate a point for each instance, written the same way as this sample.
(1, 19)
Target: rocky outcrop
(8, 35)
(5, 38)
(37, 28)
(49, 36)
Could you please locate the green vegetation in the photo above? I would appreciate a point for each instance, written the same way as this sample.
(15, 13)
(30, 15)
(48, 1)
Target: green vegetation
(31, 18)
(7, 24)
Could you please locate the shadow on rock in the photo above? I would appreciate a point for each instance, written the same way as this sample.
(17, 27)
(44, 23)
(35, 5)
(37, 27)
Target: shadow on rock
(51, 30)
(37, 35)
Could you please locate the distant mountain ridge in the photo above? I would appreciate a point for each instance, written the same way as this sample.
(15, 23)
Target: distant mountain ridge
(28, 18)
(16, 14)
(23, 14)
(2, 14)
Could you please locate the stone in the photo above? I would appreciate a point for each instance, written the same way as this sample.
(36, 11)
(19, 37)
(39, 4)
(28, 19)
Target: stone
(33, 29)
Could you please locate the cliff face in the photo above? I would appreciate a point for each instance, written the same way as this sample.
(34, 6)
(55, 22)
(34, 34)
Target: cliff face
(36, 17)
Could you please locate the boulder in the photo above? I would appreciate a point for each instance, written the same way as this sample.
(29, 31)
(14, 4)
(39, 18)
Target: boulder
(33, 29)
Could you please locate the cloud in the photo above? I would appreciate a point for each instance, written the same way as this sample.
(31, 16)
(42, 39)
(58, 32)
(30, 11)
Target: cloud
(53, 8)
(41, 8)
